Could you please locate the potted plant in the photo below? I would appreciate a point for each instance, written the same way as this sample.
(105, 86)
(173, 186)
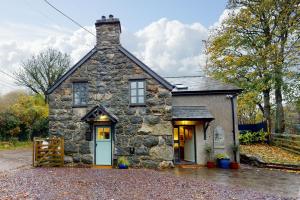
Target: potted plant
(223, 160)
(234, 164)
(210, 163)
(123, 162)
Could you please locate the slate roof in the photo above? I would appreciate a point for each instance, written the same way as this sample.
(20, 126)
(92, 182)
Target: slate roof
(147, 69)
(98, 110)
(200, 84)
(191, 112)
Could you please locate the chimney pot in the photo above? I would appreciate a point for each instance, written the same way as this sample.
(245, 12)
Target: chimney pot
(108, 32)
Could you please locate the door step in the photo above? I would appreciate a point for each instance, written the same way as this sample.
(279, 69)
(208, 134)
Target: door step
(189, 166)
(102, 167)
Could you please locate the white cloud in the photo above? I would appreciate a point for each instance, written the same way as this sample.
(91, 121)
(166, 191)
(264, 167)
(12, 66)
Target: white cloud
(18, 42)
(170, 47)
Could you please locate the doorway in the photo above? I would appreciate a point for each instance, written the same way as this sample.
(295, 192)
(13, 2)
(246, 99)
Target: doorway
(184, 144)
(103, 145)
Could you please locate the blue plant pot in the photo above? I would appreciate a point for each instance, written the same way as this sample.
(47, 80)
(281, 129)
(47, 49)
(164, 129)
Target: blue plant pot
(122, 166)
(224, 163)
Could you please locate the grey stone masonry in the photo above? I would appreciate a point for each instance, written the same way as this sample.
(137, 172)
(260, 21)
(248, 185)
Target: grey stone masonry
(108, 32)
(147, 128)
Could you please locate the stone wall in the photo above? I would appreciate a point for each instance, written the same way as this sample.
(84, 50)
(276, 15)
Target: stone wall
(146, 128)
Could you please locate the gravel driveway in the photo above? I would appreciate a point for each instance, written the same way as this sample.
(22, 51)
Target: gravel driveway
(15, 159)
(83, 183)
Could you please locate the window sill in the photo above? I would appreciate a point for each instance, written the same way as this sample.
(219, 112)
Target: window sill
(79, 106)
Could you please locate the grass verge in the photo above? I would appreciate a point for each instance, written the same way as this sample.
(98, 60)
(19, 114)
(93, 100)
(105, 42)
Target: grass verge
(5, 145)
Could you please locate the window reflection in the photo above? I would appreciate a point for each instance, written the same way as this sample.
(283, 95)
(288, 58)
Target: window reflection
(103, 133)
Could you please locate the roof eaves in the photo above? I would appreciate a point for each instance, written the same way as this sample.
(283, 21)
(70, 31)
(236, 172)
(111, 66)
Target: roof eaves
(71, 70)
(205, 92)
(160, 79)
(191, 113)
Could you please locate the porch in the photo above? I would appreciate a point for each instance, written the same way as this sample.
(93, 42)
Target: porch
(190, 124)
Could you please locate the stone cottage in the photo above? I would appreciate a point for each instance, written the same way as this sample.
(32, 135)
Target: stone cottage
(111, 104)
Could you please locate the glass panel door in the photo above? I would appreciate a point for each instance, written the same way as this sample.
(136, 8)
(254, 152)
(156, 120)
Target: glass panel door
(176, 144)
(184, 144)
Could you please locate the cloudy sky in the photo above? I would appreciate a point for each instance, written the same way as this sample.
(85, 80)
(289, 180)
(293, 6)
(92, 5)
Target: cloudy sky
(165, 34)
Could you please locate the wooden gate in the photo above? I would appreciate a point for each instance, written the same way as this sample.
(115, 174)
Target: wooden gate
(48, 151)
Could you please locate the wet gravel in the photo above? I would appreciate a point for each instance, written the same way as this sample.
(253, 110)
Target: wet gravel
(83, 183)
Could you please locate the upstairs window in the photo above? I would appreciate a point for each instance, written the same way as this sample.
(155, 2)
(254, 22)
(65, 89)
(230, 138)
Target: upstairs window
(137, 92)
(80, 95)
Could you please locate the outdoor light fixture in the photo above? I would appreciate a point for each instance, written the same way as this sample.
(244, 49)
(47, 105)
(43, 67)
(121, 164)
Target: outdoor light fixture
(103, 118)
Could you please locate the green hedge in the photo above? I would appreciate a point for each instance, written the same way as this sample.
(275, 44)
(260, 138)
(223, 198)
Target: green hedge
(253, 137)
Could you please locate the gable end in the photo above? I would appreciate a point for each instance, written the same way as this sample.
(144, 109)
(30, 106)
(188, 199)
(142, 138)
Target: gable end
(71, 70)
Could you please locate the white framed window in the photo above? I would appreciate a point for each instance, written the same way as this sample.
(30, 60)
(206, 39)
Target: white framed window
(137, 92)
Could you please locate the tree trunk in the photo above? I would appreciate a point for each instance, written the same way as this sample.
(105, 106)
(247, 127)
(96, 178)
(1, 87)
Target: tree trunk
(267, 109)
(46, 97)
(279, 123)
(278, 67)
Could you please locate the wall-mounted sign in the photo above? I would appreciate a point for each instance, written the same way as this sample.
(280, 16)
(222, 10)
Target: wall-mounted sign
(219, 137)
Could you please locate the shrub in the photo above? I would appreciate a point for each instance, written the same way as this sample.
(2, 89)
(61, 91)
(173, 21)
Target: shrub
(123, 160)
(9, 124)
(26, 118)
(208, 150)
(222, 156)
(253, 137)
(13, 140)
(235, 148)
(40, 128)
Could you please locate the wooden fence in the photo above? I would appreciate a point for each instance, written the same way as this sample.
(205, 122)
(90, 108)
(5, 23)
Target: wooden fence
(48, 152)
(290, 142)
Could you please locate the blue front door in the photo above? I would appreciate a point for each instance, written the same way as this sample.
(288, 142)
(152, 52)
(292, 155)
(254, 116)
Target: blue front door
(103, 145)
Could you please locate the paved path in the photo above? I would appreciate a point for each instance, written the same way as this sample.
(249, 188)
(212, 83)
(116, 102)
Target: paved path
(15, 159)
(258, 179)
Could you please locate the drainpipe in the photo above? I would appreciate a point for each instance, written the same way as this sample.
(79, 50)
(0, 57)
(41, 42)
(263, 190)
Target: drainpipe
(231, 97)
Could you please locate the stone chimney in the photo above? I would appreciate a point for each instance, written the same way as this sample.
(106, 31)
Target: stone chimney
(108, 32)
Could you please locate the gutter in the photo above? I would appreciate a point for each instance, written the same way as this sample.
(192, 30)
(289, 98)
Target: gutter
(233, 122)
(207, 92)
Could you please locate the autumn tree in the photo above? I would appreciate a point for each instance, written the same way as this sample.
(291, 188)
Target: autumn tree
(248, 113)
(26, 117)
(257, 47)
(241, 60)
(9, 99)
(39, 72)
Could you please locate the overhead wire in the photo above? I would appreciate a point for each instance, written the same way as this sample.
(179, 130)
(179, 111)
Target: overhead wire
(71, 19)
(7, 74)
(7, 84)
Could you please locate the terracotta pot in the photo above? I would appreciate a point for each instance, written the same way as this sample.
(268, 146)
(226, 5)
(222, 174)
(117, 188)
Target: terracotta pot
(210, 164)
(234, 165)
